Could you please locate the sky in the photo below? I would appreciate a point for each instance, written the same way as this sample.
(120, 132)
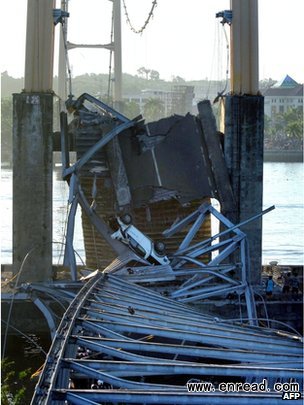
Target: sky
(182, 39)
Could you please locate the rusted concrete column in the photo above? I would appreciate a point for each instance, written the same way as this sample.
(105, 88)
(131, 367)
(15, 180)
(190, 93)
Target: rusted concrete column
(32, 185)
(244, 129)
(33, 150)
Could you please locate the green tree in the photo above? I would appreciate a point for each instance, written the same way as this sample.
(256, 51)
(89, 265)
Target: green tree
(178, 79)
(13, 383)
(131, 109)
(154, 109)
(143, 72)
(266, 84)
(154, 75)
(284, 130)
(293, 118)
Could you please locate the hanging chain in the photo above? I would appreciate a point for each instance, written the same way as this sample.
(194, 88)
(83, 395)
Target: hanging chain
(139, 31)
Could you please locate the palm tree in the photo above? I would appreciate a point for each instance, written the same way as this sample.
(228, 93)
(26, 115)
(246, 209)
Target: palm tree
(154, 109)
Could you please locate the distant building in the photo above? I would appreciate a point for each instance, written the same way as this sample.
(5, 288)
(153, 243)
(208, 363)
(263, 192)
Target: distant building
(179, 100)
(182, 99)
(282, 96)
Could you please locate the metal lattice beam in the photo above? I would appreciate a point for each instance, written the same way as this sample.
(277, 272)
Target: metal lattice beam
(129, 344)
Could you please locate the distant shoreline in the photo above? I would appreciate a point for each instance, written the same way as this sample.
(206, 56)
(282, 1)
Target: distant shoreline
(283, 156)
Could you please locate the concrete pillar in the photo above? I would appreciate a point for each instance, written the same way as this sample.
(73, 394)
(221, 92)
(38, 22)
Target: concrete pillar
(244, 49)
(39, 54)
(33, 150)
(244, 126)
(32, 185)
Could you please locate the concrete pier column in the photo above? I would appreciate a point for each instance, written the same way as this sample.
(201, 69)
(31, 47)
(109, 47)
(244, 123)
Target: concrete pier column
(244, 129)
(32, 185)
(33, 150)
(39, 51)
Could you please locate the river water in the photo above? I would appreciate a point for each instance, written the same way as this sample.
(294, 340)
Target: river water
(283, 228)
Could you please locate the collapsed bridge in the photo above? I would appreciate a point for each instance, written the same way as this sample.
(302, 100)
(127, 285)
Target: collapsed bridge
(121, 342)
(159, 172)
(135, 331)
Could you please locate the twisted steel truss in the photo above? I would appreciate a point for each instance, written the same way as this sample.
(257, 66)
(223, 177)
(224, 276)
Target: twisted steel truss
(121, 342)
